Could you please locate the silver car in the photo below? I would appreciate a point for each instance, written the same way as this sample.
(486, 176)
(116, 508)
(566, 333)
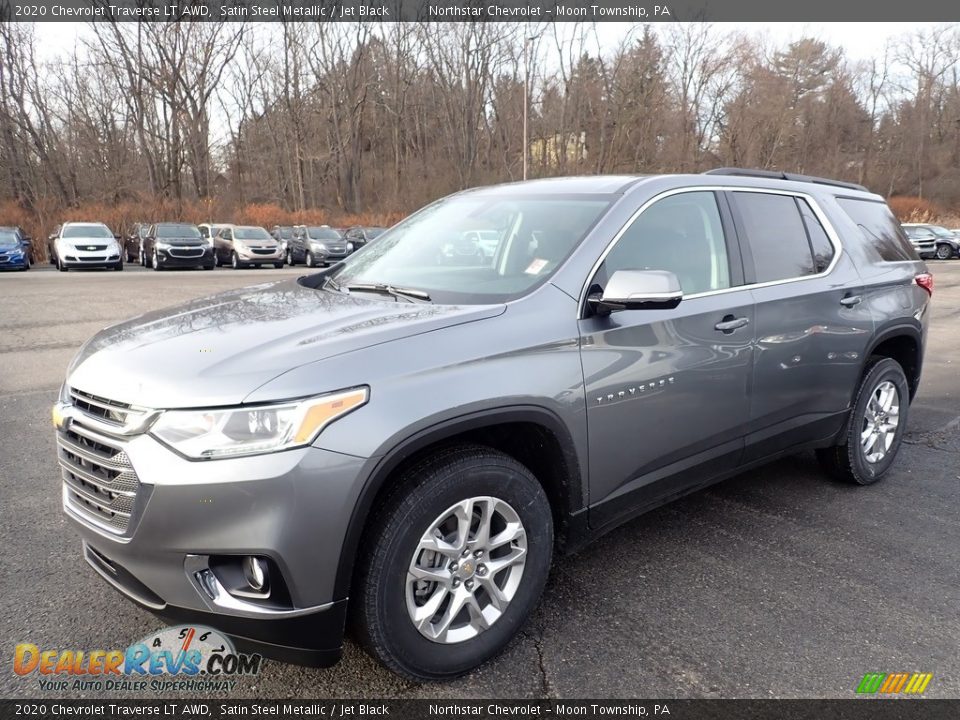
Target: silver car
(417, 436)
(86, 245)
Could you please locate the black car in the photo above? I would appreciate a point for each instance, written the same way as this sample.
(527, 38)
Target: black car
(23, 240)
(316, 245)
(360, 236)
(133, 240)
(172, 245)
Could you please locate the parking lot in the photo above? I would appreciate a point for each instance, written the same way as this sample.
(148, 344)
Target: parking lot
(776, 583)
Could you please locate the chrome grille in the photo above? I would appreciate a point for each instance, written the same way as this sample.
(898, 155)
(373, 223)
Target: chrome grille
(109, 411)
(99, 482)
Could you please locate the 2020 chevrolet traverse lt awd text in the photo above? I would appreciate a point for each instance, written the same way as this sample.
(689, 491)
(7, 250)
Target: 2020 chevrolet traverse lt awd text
(420, 436)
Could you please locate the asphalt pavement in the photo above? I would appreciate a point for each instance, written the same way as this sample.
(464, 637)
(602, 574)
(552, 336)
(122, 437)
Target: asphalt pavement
(776, 583)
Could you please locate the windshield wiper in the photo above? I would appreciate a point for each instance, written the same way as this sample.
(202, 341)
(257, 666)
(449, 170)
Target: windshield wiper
(391, 290)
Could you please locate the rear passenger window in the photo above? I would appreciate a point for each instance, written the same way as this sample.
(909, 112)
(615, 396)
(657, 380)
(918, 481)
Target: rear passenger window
(823, 250)
(776, 235)
(880, 228)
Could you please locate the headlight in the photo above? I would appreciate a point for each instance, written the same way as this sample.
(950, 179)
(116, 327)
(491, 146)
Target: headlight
(349, 247)
(318, 245)
(231, 432)
(160, 245)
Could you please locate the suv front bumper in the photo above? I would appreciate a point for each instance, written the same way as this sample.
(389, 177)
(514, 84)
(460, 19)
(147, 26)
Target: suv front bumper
(186, 256)
(291, 507)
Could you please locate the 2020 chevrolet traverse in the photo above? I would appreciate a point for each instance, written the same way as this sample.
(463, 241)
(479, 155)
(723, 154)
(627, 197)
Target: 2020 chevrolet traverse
(406, 441)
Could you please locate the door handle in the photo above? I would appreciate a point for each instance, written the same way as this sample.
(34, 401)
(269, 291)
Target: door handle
(730, 323)
(850, 300)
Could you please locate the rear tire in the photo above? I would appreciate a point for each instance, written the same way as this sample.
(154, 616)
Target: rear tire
(870, 444)
(495, 492)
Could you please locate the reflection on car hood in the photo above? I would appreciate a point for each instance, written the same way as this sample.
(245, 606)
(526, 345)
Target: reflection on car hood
(217, 350)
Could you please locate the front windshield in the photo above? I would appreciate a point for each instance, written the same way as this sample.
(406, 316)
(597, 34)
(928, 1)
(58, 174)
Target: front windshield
(322, 233)
(477, 249)
(87, 231)
(940, 231)
(285, 233)
(8, 239)
(251, 233)
(178, 231)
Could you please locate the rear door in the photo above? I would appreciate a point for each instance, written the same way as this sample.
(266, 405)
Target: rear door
(668, 390)
(812, 326)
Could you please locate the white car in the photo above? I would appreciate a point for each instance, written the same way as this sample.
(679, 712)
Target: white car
(86, 245)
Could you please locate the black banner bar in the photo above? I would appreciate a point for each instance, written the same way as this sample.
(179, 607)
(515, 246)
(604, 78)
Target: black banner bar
(529, 11)
(206, 708)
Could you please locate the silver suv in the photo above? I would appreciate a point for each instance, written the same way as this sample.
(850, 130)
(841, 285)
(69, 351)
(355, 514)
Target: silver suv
(420, 435)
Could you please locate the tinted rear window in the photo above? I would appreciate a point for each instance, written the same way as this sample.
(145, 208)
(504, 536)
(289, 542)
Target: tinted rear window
(880, 228)
(777, 236)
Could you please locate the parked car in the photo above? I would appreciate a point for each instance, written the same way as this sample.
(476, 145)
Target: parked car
(176, 245)
(209, 231)
(24, 239)
(133, 241)
(360, 236)
(282, 234)
(86, 245)
(14, 252)
(923, 240)
(246, 246)
(316, 246)
(421, 438)
(947, 242)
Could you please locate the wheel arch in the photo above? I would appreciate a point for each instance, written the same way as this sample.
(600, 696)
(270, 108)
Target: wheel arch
(903, 342)
(505, 429)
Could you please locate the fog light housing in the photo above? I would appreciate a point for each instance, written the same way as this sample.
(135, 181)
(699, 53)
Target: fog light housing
(256, 573)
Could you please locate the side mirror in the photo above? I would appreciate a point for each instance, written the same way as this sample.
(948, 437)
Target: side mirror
(638, 290)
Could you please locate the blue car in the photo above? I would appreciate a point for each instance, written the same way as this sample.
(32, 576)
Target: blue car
(14, 252)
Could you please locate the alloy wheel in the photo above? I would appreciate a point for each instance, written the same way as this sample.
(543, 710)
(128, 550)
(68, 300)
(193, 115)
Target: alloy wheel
(880, 420)
(466, 569)
(944, 252)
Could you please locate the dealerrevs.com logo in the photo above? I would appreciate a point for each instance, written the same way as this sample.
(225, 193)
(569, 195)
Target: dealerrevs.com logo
(189, 658)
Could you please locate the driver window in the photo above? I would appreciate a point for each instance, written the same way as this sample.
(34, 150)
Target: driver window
(681, 233)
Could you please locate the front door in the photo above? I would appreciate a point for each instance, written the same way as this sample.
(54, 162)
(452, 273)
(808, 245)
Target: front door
(668, 391)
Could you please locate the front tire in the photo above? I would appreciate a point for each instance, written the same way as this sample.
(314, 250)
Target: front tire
(310, 262)
(453, 563)
(119, 266)
(235, 261)
(875, 428)
(60, 266)
(290, 261)
(155, 261)
(944, 252)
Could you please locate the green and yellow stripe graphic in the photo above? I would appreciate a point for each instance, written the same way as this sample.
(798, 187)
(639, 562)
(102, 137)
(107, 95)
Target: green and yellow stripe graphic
(893, 683)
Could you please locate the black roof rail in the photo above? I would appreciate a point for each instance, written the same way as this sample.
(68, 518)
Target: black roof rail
(780, 175)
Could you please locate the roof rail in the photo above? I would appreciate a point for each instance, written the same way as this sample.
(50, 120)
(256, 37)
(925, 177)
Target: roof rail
(780, 175)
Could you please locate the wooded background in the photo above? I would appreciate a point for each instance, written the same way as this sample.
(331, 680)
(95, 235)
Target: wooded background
(362, 123)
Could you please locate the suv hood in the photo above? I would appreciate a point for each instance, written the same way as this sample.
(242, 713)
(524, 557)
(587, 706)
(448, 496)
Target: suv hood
(218, 350)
